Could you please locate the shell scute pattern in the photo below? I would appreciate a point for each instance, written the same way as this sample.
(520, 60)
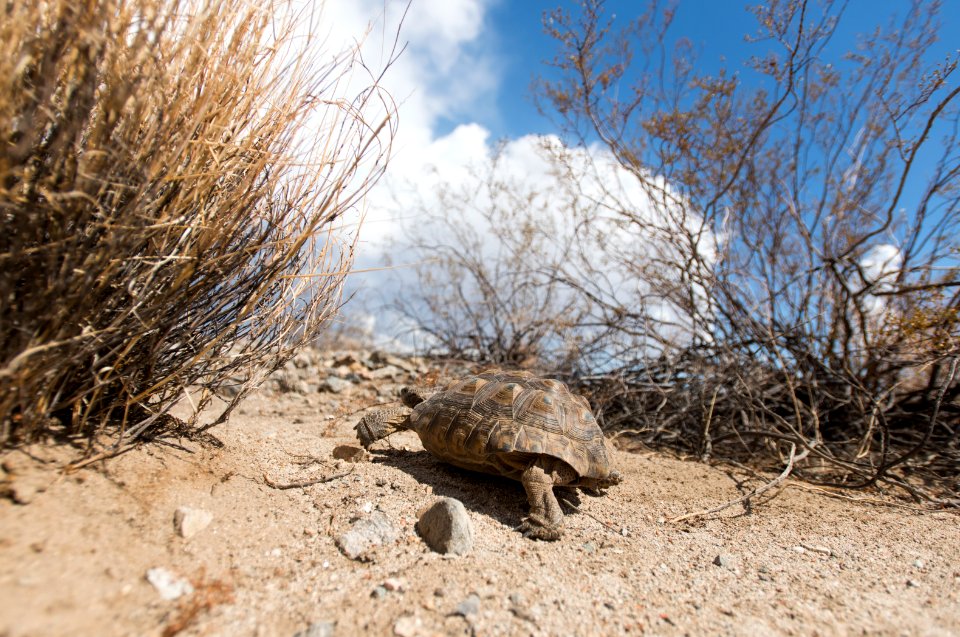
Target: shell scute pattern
(475, 422)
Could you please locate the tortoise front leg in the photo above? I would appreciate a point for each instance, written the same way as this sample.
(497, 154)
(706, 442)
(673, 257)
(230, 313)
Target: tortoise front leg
(545, 517)
(380, 424)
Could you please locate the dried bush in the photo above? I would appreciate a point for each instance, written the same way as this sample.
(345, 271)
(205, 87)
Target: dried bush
(812, 218)
(773, 265)
(166, 225)
(488, 252)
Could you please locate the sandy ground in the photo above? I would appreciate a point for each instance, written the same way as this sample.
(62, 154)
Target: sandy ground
(74, 560)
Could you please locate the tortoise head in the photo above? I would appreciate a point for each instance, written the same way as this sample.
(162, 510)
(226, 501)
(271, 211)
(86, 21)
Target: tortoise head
(413, 396)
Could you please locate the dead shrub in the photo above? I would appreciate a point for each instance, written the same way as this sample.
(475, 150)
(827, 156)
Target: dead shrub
(813, 218)
(787, 277)
(165, 226)
(487, 256)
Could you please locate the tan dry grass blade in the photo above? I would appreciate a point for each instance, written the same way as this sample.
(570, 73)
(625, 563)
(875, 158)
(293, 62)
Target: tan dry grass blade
(159, 203)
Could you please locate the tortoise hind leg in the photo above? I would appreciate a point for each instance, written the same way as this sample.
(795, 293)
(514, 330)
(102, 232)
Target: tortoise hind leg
(380, 424)
(545, 517)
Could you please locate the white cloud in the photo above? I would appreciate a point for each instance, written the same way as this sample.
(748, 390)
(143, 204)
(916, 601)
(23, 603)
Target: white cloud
(448, 72)
(605, 214)
(445, 72)
(880, 266)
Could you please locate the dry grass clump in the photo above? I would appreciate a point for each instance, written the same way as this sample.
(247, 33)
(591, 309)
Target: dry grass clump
(165, 225)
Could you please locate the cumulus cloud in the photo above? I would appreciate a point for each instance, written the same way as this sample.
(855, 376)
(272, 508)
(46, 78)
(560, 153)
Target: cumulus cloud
(880, 266)
(444, 73)
(448, 72)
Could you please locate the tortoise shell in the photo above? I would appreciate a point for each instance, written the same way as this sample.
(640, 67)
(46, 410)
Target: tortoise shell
(498, 422)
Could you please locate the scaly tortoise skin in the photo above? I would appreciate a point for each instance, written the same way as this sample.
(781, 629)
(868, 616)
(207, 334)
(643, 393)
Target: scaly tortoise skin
(512, 424)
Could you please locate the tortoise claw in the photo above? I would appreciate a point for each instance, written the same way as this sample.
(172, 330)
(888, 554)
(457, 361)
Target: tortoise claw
(535, 529)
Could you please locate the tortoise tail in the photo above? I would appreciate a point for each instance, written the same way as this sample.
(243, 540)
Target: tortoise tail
(380, 424)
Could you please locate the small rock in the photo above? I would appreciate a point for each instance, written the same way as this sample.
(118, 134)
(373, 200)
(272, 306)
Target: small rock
(349, 453)
(394, 584)
(344, 360)
(379, 592)
(912, 583)
(333, 385)
(23, 491)
(189, 521)
(724, 561)
(469, 606)
(23, 482)
(17, 464)
(445, 527)
(799, 549)
(918, 564)
(167, 584)
(589, 547)
(408, 626)
(301, 360)
(341, 371)
(366, 534)
(389, 372)
(289, 382)
(381, 359)
(318, 629)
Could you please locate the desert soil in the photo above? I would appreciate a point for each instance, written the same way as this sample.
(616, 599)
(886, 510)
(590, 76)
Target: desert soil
(74, 558)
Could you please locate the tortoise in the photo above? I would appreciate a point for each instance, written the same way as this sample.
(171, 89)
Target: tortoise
(509, 423)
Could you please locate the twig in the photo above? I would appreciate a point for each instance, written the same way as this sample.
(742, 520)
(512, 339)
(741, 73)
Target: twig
(707, 445)
(573, 506)
(303, 458)
(867, 500)
(758, 491)
(818, 549)
(304, 483)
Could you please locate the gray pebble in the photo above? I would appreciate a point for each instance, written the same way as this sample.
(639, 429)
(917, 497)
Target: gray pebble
(469, 606)
(290, 382)
(365, 534)
(317, 629)
(724, 560)
(446, 528)
(334, 385)
(188, 521)
(169, 585)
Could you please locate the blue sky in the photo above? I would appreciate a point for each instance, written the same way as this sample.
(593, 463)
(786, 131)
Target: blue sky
(463, 84)
(513, 38)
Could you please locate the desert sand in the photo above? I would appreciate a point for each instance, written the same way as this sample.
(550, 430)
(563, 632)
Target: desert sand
(74, 557)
